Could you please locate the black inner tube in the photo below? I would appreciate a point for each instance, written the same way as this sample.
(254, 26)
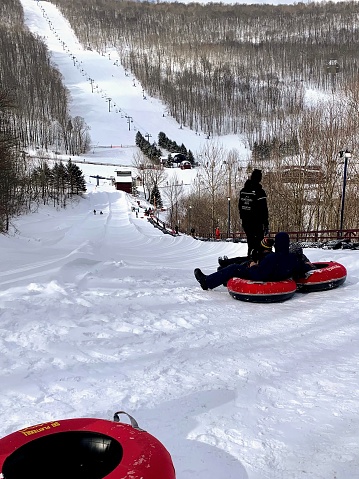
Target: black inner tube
(65, 455)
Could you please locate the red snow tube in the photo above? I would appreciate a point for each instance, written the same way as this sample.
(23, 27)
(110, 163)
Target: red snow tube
(328, 275)
(261, 292)
(84, 449)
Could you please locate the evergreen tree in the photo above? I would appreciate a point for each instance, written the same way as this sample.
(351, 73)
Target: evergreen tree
(155, 197)
(41, 180)
(76, 180)
(59, 175)
(162, 139)
(60, 178)
(190, 157)
(139, 140)
(183, 150)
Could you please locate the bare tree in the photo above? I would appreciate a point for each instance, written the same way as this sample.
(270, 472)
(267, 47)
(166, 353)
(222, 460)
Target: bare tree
(212, 177)
(173, 192)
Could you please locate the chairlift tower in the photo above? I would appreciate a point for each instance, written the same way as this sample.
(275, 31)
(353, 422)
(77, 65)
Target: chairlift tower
(98, 177)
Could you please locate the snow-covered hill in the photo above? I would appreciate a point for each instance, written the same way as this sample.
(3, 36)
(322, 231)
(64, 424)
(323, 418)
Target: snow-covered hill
(102, 312)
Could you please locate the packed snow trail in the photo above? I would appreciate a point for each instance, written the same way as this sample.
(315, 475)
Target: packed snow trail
(111, 315)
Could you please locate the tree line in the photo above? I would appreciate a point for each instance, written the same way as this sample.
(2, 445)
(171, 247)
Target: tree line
(224, 69)
(34, 114)
(40, 115)
(148, 149)
(173, 147)
(56, 184)
(155, 154)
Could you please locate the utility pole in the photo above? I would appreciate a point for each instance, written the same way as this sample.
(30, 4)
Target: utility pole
(347, 155)
(109, 103)
(129, 121)
(229, 217)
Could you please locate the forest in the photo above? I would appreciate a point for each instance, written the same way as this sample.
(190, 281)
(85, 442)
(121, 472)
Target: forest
(227, 69)
(34, 115)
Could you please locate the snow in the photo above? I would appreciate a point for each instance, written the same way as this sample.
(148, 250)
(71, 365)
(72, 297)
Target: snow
(101, 313)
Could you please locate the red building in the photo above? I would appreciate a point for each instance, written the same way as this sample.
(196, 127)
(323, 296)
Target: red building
(123, 181)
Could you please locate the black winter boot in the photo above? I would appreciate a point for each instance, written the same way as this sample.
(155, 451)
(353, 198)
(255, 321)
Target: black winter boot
(223, 261)
(201, 278)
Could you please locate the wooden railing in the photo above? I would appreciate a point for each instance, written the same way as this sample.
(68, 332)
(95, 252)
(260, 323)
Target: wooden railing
(324, 235)
(301, 236)
(314, 236)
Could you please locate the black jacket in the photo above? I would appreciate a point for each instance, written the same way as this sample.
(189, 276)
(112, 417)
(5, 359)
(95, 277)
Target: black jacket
(252, 204)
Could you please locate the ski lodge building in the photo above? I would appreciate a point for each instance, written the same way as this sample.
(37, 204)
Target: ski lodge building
(123, 181)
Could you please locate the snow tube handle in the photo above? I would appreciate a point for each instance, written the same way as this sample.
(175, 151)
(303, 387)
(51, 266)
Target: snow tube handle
(133, 421)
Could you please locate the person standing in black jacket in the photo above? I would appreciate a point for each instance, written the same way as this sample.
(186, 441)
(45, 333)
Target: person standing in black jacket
(253, 210)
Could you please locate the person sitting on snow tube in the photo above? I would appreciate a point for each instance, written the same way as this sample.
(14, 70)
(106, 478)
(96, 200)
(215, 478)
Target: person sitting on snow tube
(298, 250)
(276, 266)
(256, 255)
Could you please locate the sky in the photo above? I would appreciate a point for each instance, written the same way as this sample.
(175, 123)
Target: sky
(101, 313)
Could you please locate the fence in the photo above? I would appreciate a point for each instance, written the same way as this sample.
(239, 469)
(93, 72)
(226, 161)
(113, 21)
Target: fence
(314, 236)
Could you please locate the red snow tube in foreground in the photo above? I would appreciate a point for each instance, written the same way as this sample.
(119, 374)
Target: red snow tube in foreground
(261, 292)
(328, 275)
(84, 449)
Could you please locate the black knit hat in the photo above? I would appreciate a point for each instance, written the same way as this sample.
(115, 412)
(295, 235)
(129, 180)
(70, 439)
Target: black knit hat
(256, 176)
(267, 243)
